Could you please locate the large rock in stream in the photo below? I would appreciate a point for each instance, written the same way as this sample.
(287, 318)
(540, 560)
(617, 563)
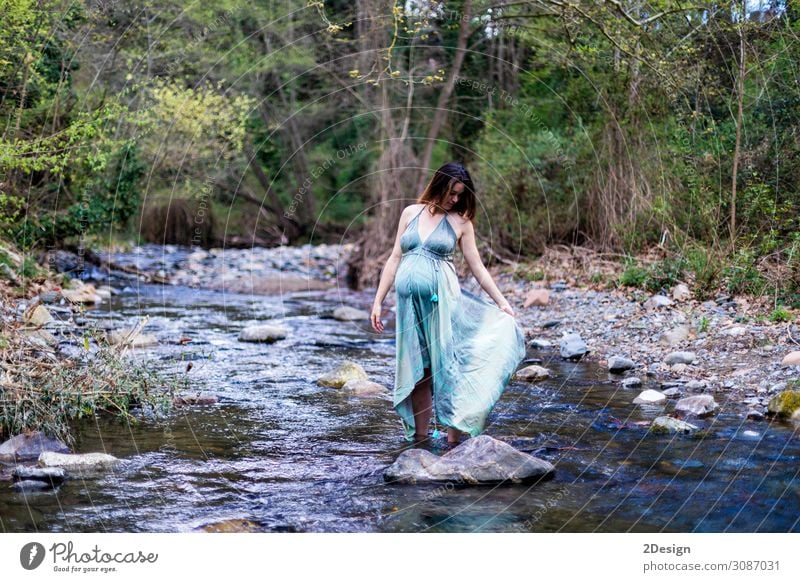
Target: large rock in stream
(26, 447)
(344, 373)
(478, 460)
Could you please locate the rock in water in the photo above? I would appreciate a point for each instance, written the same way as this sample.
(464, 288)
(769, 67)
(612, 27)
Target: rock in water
(784, 404)
(631, 382)
(340, 376)
(700, 406)
(346, 313)
(478, 460)
(53, 476)
(365, 388)
(533, 373)
(573, 347)
(650, 397)
(29, 446)
(619, 364)
(85, 461)
(669, 425)
(263, 333)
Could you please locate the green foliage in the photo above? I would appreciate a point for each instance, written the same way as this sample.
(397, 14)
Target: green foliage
(780, 314)
(704, 324)
(633, 275)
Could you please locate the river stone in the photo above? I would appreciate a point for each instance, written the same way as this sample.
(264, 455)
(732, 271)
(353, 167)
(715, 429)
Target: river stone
(631, 382)
(700, 405)
(41, 337)
(674, 392)
(669, 425)
(136, 340)
(784, 404)
(680, 358)
(657, 301)
(791, 359)
(194, 400)
(619, 364)
(796, 416)
(84, 294)
(51, 475)
(85, 461)
(480, 459)
(533, 373)
(347, 313)
(345, 372)
(364, 387)
(572, 346)
(539, 344)
(675, 335)
(263, 333)
(29, 446)
(681, 292)
(231, 526)
(537, 297)
(31, 485)
(38, 316)
(650, 397)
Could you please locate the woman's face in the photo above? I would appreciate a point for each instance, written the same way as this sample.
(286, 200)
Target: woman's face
(452, 199)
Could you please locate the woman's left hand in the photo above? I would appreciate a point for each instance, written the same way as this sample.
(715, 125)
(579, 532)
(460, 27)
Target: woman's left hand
(506, 306)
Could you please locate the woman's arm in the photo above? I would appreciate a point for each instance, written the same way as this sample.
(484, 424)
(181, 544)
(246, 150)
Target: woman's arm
(473, 258)
(389, 272)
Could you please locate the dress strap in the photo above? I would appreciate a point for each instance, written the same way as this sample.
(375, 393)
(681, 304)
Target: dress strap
(424, 206)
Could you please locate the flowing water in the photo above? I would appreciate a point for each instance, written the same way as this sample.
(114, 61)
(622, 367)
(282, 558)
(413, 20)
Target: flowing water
(287, 455)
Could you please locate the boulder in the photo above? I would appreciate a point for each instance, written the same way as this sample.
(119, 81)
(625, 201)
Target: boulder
(478, 460)
(539, 344)
(85, 461)
(784, 404)
(81, 293)
(346, 313)
(657, 301)
(537, 297)
(263, 333)
(365, 388)
(681, 292)
(650, 397)
(675, 335)
(700, 405)
(572, 346)
(533, 373)
(680, 358)
(53, 476)
(25, 447)
(669, 425)
(791, 359)
(345, 372)
(631, 382)
(38, 316)
(619, 364)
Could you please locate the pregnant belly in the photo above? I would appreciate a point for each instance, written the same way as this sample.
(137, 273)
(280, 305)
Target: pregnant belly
(415, 277)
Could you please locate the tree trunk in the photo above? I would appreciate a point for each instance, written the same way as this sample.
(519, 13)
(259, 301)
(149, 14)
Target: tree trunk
(440, 116)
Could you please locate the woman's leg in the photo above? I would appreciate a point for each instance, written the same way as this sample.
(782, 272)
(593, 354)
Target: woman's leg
(422, 405)
(453, 435)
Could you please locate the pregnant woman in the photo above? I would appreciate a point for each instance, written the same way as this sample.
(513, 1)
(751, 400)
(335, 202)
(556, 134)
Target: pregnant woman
(456, 352)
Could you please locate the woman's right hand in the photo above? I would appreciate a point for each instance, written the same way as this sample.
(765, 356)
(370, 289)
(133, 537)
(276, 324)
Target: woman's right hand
(375, 318)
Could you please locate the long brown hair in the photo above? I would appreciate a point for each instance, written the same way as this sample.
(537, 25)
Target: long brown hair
(441, 185)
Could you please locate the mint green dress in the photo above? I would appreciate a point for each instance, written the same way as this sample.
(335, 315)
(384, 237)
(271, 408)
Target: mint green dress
(471, 346)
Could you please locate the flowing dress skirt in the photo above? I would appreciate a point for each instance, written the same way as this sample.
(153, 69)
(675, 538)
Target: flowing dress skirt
(471, 346)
